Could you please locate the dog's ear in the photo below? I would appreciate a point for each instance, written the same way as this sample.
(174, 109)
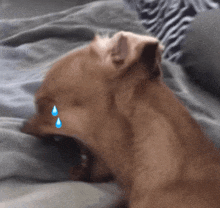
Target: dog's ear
(129, 48)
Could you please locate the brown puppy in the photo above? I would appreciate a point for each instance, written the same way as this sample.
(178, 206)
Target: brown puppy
(111, 98)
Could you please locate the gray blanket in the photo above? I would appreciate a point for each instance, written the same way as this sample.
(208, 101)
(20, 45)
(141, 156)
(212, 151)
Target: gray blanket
(31, 174)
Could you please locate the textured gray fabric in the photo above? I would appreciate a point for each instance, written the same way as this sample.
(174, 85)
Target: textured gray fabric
(169, 20)
(201, 51)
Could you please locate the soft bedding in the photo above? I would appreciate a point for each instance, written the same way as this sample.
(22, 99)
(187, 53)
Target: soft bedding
(31, 173)
(169, 20)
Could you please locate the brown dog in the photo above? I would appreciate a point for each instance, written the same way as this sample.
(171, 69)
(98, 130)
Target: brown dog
(112, 100)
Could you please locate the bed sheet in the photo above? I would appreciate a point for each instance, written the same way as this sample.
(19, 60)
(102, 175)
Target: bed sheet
(31, 174)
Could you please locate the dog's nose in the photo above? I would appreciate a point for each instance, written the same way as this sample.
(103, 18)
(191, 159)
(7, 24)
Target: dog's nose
(29, 127)
(24, 127)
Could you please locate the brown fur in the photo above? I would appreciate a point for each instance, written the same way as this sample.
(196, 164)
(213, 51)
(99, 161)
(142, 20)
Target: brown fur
(111, 97)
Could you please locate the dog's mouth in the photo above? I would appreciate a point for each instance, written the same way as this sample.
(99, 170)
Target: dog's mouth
(81, 160)
(72, 152)
(70, 148)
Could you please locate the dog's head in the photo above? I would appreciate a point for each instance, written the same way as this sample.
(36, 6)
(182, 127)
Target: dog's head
(95, 90)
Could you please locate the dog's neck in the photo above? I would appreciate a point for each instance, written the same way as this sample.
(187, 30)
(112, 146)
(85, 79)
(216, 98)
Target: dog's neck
(169, 145)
